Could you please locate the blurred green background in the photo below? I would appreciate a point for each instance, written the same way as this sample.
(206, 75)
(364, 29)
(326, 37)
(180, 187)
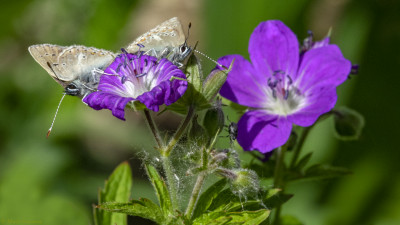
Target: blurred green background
(55, 180)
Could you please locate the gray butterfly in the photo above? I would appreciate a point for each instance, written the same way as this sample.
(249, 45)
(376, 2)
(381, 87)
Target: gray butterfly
(166, 40)
(77, 68)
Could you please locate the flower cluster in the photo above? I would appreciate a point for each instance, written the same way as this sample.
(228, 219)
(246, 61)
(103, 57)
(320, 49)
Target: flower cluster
(284, 84)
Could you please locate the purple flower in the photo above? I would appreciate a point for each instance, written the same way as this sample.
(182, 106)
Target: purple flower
(280, 86)
(137, 78)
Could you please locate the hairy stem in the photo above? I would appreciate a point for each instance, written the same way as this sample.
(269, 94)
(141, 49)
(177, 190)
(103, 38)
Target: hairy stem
(171, 181)
(153, 128)
(195, 194)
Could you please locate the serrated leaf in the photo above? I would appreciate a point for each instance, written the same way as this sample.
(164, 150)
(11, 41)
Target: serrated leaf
(143, 208)
(243, 217)
(117, 189)
(161, 190)
(227, 201)
(207, 197)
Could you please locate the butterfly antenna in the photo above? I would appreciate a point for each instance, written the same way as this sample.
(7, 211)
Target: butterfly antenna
(55, 115)
(209, 58)
(189, 26)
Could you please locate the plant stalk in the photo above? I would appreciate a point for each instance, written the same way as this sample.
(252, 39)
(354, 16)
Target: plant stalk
(195, 194)
(171, 181)
(299, 146)
(278, 178)
(153, 129)
(167, 150)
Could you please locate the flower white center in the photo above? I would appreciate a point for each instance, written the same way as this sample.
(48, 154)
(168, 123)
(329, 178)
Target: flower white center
(284, 98)
(139, 76)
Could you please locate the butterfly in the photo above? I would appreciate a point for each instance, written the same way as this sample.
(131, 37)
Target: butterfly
(78, 68)
(166, 40)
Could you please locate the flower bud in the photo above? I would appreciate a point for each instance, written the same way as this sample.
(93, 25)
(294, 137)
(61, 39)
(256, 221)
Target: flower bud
(226, 158)
(245, 183)
(348, 123)
(214, 120)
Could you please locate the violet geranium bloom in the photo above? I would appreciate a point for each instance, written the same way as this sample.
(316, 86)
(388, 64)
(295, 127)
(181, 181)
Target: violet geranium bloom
(280, 86)
(142, 78)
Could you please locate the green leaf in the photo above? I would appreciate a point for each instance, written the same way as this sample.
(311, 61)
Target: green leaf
(143, 208)
(274, 198)
(303, 161)
(243, 217)
(289, 220)
(161, 190)
(318, 172)
(117, 189)
(207, 197)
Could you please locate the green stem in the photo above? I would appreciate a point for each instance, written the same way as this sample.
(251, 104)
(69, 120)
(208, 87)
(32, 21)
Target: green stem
(167, 150)
(195, 194)
(278, 177)
(278, 173)
(299, 146)
(153, 128)
(304, 135)
(171, 181)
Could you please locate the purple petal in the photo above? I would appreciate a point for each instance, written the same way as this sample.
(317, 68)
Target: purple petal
(102, 100)
(318, 103)
(262, 132)
(323, 66)
(274, 47)
(243, 85)
(167, 92)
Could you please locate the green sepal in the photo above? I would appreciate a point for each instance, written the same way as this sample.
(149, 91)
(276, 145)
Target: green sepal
(193, 96)
(161, 189)
(207, 197)
(116, 189)
(214, 121)
(136, 106)
(197, 133)
(214, 82)
(143, 208)
(242, 217)
(348, 123)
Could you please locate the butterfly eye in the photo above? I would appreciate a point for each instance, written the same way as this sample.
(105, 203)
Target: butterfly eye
(71, 86)
(183, 48)
(72, 89)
